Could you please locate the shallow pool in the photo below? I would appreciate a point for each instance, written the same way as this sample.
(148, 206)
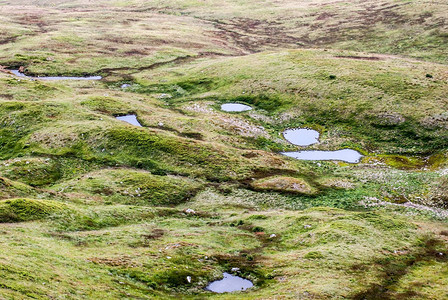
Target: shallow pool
(347, 155)
(229, 283)
(301, 136)
(235, 107)
(19, 74)
(131, 119)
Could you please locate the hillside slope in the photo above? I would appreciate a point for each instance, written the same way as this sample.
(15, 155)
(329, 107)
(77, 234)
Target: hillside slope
(94, 207)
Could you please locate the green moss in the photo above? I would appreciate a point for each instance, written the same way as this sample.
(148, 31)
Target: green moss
(106, 105)
(12, 189)
(33, 171)
(382, 222)
(133, 187)
(314, 255)
(97, 218)
(23, 209)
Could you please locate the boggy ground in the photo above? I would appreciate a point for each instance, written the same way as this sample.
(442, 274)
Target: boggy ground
(92, 207)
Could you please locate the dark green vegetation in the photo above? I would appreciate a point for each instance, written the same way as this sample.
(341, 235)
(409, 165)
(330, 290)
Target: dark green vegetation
(22, 209)
(93, 207)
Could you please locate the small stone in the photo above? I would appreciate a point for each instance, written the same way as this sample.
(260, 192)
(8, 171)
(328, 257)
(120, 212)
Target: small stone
(162, 96)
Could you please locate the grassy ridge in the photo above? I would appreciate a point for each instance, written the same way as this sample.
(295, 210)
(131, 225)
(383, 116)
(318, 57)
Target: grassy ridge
(383, 104)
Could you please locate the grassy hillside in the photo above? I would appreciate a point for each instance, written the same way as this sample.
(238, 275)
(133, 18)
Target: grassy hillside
(94, 207)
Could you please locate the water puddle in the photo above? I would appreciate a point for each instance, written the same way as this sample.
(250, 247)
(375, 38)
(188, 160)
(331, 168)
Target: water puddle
(131, 119)
(347, 155)
(19, 74)
(235, 107)
(229, 283)
(301, 136)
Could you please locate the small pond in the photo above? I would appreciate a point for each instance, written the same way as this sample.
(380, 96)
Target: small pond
(19, 74)
(235, 107)
(301, 136)
(131, 119)
(229, 283)
(347, 155)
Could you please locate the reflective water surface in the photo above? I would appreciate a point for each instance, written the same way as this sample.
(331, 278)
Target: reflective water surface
(131, 119)
(347, 155)
(19, 74)
(229, 283)
(235, 107)
(301, 136)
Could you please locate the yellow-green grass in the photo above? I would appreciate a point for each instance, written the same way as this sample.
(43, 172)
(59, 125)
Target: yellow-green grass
(131, 187)
(23, 209)
(93, 207)
(327, 253)
(389, 105)
(135, 32)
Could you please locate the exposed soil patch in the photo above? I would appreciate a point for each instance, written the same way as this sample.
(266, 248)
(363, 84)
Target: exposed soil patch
(114, 262)
(8, 40)
(252, 35)
(155, 234)
(359, 57)
(34, 20)
(175, 61)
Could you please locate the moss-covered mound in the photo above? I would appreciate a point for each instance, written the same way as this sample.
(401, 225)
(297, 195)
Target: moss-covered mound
(23, 209)
(284, 184)
(11, 189)
(132, 187)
